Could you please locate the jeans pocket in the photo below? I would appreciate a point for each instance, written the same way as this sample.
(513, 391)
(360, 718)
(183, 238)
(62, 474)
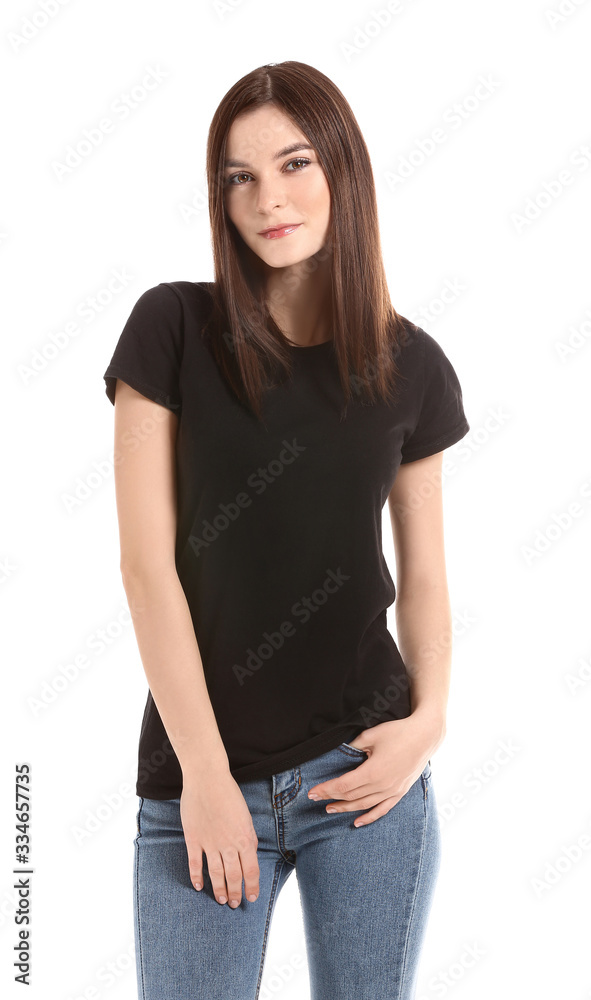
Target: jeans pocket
(138, 819)
(426, 779)
(347, 749)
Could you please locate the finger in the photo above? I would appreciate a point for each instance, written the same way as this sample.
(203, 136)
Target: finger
(361, 803)
(250, 871)
(339, 788)
(381, 810)
(196, 867)
(233, 876)
(215, 866)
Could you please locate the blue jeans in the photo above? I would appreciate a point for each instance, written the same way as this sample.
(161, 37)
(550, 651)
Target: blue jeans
(365, 893)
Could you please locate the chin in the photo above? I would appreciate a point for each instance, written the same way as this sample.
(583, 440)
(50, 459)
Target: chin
(277, 264)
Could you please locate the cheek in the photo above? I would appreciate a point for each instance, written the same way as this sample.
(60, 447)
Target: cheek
(230, 206)
(238, 217)
(235, 204)
(319, 199)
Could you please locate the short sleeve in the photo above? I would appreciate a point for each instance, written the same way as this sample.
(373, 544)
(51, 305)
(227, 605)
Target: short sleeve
(440, 417)
(149, 351)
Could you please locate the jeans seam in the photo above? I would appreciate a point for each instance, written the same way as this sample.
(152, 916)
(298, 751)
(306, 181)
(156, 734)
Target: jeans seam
(278, 807)
(413, 904)
(284, 798)
(278, 869)
(137, 894)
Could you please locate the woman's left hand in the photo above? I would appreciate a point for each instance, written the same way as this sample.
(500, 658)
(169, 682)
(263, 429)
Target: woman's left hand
(398, 753)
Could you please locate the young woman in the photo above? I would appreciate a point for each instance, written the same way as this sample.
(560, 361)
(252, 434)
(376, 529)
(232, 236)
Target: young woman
(261, 422)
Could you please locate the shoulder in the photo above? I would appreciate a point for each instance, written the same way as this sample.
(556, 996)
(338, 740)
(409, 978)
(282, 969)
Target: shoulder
(172, 309)
(410, 346)
(420, 351)
(185, 293)
(189, 293)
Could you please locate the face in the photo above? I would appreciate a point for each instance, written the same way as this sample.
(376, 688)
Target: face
(273, 177)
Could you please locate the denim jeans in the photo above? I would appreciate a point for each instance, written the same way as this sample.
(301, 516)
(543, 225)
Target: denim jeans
(365, 892)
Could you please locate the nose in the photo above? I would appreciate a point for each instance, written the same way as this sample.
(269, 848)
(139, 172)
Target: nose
(269, 196)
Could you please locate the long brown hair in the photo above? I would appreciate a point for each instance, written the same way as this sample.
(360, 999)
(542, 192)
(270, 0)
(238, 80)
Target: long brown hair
(247, 343)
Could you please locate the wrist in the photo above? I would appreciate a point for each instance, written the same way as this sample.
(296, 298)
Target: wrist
(433, 719)
(203, 765)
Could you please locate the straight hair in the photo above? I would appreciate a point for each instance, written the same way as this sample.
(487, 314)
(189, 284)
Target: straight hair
(249, 347)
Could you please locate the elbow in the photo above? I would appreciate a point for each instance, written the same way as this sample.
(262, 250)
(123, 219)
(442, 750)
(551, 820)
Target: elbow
(130, 574)
(138, 574)
(417, 593)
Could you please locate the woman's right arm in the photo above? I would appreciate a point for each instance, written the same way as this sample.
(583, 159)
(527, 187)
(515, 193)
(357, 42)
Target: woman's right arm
(214, 813)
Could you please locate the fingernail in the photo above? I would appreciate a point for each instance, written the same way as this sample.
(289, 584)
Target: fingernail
(233, 902)
(198, 885)
(221, 899)
(329, 809)
(252, 898)
(313, 795)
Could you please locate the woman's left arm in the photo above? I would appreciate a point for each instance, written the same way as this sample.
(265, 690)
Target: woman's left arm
(422, 607)
(398, 750)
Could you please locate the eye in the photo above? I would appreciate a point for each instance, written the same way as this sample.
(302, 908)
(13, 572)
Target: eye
(232, 179)
(298, 159)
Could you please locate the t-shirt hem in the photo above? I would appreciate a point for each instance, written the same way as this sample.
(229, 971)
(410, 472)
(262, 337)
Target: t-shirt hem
(318, 745)
(445, 441)
(270, 765)
(157, 793)
(156, 395)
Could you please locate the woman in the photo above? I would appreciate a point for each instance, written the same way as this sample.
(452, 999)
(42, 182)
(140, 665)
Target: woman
(291, 401)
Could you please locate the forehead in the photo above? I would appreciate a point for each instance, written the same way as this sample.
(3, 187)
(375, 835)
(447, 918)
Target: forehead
(264, 133)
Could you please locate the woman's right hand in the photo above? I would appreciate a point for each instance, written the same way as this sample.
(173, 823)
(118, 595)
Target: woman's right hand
(217, 820)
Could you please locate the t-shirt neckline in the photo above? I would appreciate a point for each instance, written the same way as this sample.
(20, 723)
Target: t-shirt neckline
(310, 347)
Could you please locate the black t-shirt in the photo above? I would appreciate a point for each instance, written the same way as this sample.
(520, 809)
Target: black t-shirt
(279, 534)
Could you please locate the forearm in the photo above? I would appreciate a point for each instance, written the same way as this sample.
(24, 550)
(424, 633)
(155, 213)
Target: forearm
(174, 669)
(423, 625)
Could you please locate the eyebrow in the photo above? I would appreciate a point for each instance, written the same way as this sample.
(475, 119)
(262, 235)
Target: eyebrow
(282, 152)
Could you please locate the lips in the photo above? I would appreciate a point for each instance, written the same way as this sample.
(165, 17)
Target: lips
(274, 232)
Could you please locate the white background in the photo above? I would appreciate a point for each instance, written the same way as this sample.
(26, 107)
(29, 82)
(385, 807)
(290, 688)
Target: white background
(518, 579)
